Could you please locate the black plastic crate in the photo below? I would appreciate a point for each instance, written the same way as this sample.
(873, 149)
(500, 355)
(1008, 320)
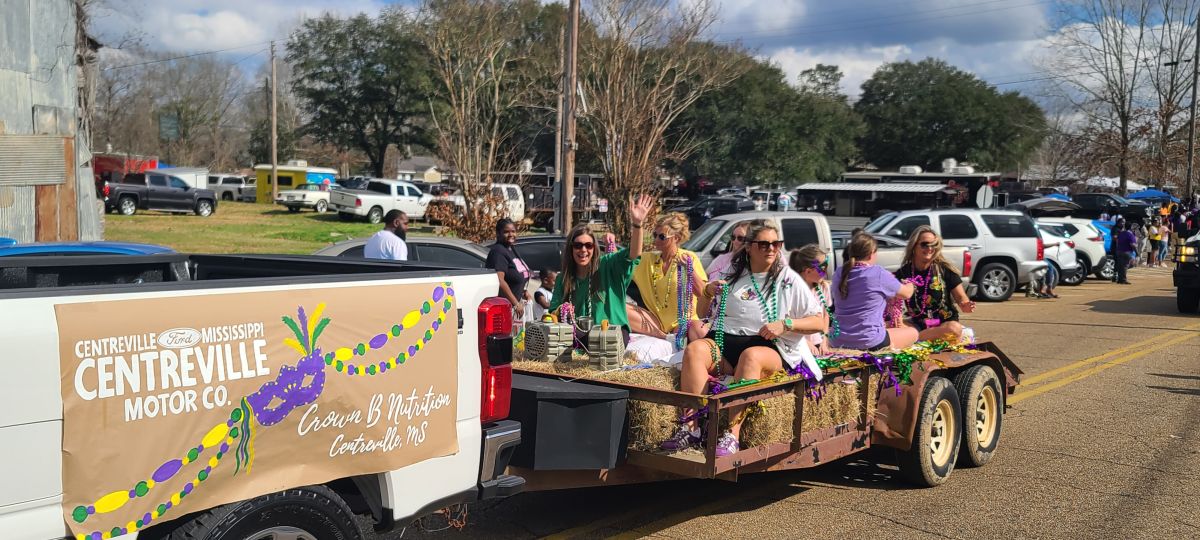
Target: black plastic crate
(568, 425)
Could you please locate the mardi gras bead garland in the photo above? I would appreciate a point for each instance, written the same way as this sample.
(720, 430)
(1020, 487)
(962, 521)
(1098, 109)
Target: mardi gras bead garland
(719, 325)
(254, 409)
(683, 301)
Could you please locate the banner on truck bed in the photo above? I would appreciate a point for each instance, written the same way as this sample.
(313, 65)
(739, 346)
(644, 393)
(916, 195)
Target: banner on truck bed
(175, 405)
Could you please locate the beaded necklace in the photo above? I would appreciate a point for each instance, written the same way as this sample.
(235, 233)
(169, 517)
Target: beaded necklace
(719, 326)
(835, 328)
(768, 306)
(683, 301)
(657, 272)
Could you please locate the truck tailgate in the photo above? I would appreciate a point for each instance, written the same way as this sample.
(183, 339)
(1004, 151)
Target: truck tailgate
(341, 197)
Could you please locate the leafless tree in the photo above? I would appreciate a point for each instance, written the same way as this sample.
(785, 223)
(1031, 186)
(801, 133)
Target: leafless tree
(644, 64)
(1171, 44)
(1100, 48)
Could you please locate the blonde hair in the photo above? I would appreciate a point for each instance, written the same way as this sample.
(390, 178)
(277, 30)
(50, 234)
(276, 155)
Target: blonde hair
(676, 223)
(939, 259)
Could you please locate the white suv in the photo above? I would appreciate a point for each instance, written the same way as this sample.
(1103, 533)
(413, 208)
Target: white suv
(1089, 246)
(1005, 247)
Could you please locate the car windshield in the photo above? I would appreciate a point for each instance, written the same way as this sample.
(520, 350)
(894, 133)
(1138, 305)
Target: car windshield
(880, 223)
(1123, 200)
(704, 235)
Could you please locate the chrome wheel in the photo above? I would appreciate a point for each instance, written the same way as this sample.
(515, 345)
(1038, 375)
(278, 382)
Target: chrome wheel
(996, 283)
(282, 533)
(941, 435)
(128, 206)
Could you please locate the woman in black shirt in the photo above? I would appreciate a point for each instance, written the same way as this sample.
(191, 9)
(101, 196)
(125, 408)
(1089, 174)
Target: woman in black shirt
(939, 295)
(510, 269)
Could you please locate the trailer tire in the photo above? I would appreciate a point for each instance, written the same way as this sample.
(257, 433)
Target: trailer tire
(309, 513)
(982, 398)
(1187, 300)
(930, 459)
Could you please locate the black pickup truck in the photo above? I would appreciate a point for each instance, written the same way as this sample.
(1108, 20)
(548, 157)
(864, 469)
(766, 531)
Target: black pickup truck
(1092, 205)
(161, 192)
(1187, 272)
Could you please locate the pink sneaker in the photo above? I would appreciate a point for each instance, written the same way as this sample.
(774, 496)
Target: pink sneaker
(727, 445)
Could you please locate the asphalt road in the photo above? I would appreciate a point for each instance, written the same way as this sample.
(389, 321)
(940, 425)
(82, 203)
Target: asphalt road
(1102, 440)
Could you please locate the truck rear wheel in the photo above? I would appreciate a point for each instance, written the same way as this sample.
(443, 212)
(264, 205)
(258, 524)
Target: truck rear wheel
(307, 513)
(375, 216)
(1187, 300)
(996, 282)
(982, 411)
(930, 459)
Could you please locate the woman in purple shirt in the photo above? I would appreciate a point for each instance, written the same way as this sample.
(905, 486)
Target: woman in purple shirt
(861, 294)
(1124, 246)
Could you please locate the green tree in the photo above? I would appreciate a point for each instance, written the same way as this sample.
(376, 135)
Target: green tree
(362, 82)
(921, 113)
(761, 129)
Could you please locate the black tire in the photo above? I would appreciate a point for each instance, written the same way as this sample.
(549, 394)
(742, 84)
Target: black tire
(1107, 268)
(321, 206)
(1187, 300)
(1080, 274)
(982, 410)
(204, 208)
(227, 196)
(996, 282)
(375, 216)
(930, 459)
(293, 209)
(315, 511)
(127, 206)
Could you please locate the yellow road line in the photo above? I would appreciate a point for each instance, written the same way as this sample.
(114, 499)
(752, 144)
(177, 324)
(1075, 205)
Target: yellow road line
(691, 513)
(1097, 369)
(1117, 352)
(596, 525)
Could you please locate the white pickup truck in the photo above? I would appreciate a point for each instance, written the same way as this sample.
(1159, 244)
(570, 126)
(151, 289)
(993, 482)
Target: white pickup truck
(232, 397)
(379, 197)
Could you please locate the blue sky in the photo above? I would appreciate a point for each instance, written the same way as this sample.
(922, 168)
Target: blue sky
(995, 39)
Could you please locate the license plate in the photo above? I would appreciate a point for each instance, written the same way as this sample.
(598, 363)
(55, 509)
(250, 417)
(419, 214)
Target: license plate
(291, 198)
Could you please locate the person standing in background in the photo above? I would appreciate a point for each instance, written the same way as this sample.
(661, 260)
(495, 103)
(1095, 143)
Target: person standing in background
(1124, 244)
(512, 272)
(389, 244)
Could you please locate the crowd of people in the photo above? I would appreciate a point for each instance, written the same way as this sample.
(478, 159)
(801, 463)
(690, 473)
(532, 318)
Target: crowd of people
(1150, 243)
(753, 312)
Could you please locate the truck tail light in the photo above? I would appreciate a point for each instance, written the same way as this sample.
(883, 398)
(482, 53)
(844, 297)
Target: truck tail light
(1071, 244)
(358, 202)
(966, 263)
(1096, 239)
(107, 189)
(1041, 249)
(495, 358)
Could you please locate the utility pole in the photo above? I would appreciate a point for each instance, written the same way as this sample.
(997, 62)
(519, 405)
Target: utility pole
(1192, 116)
(570, 86)
(556, 223)
(274, 132)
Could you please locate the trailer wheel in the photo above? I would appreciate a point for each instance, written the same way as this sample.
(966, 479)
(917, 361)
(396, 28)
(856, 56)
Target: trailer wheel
(930, 459)
(1187, 300)
(982, 412)
(307, 513)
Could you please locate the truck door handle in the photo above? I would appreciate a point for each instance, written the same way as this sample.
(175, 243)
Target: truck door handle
(975, 246)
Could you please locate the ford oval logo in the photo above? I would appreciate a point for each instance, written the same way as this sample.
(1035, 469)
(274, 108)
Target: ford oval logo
(179, 338)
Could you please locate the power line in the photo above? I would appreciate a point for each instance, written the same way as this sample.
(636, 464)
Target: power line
(192, 55)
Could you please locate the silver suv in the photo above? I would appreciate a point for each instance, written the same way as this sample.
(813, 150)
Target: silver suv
(1005, 247)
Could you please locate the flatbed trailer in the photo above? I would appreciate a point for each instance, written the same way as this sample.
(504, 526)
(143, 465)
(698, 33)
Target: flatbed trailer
(930, 403)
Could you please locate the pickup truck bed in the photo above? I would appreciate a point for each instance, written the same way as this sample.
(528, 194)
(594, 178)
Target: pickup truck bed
(74, 326)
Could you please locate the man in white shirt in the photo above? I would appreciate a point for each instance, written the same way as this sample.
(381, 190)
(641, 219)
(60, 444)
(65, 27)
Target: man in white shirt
(389, 243)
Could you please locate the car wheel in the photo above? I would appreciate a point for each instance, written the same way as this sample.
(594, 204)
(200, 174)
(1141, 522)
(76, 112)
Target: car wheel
(1075, 277)
(321, 206)
(227, 196)
(930, 459)
(1107, 268)
(1187, 300)
(375, 215)
(996, 282)
(204, 208)
(307, 513)
(127, 206)
(982, 414)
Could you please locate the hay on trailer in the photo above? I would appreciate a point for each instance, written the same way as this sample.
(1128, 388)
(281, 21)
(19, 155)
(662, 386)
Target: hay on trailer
(772, 421)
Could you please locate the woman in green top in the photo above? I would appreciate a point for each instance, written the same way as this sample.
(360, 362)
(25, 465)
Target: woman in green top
(593, 285)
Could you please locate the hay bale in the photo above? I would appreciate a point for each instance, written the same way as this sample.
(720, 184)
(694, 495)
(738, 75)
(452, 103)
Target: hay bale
(651, 423)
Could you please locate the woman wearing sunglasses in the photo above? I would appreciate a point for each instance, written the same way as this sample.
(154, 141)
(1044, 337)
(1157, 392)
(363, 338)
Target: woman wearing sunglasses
(737, 241)
(939, 292)
(763, 312)
(862, 291)
(595, 285)
(669, 281)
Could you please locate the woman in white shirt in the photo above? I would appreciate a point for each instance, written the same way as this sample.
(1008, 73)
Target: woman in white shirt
(764, 310)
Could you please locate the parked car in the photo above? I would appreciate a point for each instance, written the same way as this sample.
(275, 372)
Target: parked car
(707, 208)
(1060, 252)
(1092, 205)
(156, 191)
(11, 248)
(514, 198)
(796, 229)
(540, 252)
(233, 188)
(891, 255)
(378, 198)
(314, 196)
(1090, 245)
(1045, 207)
(1006, 249)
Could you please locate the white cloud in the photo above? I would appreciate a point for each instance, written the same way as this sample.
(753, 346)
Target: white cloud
(857, 64)
(191, 31)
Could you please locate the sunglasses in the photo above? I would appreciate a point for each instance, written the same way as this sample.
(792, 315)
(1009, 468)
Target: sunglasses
(930, 245)
(739, 238)
(768, 244)
(660, 237)
(821, 267)
(583, 245)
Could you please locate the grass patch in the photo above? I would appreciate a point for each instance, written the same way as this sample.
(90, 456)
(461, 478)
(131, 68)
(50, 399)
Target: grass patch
(239, 227)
